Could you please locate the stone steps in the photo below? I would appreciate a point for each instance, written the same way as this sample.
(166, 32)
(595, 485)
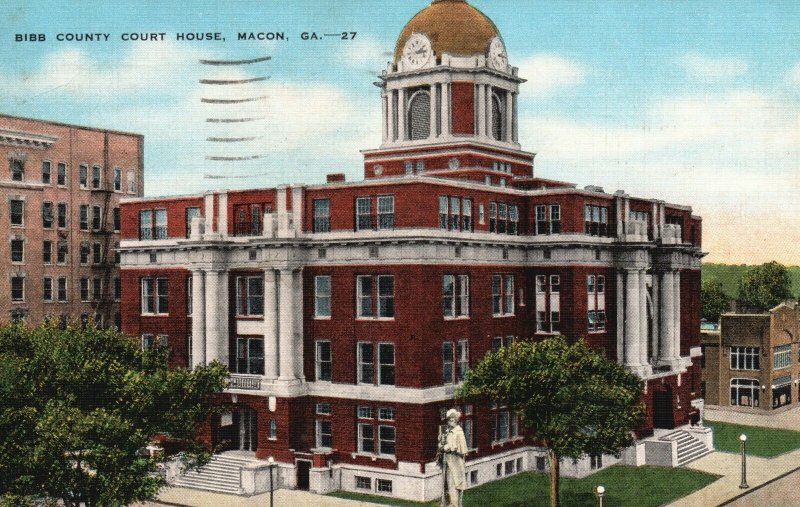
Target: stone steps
(221, 474)
(689, 448)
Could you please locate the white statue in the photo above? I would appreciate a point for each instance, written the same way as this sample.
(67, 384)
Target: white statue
(453, 448)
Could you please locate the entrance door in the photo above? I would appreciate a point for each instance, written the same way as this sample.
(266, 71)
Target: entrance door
(248, 429)
(303, 472)
(662, 410)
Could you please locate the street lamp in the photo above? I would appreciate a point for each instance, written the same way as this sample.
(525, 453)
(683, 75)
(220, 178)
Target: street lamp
(743, 440)
(599, 491)
(271, 465)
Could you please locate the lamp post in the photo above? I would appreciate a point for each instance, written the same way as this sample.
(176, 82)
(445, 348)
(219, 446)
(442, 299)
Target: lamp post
(599, 491)
(743, 440)
(271, 462)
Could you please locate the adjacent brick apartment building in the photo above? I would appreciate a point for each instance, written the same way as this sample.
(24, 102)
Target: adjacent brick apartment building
(349, 311)
(751, 364)
(61, 218)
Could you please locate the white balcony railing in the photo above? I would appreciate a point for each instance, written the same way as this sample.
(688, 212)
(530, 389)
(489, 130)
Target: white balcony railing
(245, 382)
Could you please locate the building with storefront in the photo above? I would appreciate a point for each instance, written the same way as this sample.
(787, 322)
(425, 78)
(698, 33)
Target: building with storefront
(751, 364)
(60, 218)
(348, 312)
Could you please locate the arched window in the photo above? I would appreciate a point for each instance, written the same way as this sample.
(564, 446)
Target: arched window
(419, 115)
(744, 392)
(498, 117)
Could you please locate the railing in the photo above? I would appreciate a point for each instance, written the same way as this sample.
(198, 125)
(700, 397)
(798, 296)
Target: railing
(245, 382)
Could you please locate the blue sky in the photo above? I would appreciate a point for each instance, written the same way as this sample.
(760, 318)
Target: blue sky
(692, 102)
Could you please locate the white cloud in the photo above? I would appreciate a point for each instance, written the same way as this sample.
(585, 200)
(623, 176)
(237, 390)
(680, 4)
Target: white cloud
(547, 73)
(367, 51)
(793, 76)
(712, 69)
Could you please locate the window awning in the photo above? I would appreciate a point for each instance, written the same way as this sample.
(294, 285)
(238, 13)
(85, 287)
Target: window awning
(781, 381)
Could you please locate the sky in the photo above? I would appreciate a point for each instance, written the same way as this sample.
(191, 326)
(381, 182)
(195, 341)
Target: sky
(692, 102)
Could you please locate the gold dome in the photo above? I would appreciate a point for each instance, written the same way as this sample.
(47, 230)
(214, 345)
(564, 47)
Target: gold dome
(453, 26)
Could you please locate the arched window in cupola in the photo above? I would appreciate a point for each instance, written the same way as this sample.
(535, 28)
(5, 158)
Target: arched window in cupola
(419, 115)
(498, 117)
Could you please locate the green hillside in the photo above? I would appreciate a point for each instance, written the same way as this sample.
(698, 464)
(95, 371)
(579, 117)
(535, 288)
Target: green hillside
(729, 275)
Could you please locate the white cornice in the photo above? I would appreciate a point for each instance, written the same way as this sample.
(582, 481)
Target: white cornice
(27, 139)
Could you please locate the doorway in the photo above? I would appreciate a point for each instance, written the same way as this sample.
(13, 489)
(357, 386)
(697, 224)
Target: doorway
(248, 429)
(303, 474)
(662, 410)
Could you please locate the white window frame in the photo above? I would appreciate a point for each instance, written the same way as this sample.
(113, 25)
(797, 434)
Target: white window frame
(322, 296)
(362, 300)
(362, 362)
(13, 278)
(21, 223)
(744, 358)
(319, 362)
(381, 440)
(363, 209)
(782, 356)
(385, 210)
(384, 302)
(320, 433)
(381, 365)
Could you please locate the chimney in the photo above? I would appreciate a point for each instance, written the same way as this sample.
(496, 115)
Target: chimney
(336, 178)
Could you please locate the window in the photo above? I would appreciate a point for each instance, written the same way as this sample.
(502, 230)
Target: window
(17, 168)
(149, 341)
(47, 251)
(83, 217)
(17, 250)
(83, 175)
(322, 215)
(117, 179)
(595, 220)
(97, 177)
(363, 214)
(17, 212)
(745, 358)
(455, 213)
(363, 482)
(248, 220)
(249, 295)
(324, 365)
(97, 218)
(364, 296)
(745, 392)
(249, 355)
(97, 253)
(273, 430)
(481, 214)
(17, 288)
(455, 361)
(160, 230)
(443, 211)
(118, 289)
(548, 303)
(502, 295)
(781, 356)
(83, 253)
(47, 289)
(190, 213)
(596, 461)
(545, 224)
(409, 167)
(455, 295)
(503, 425)
(596, 302)
(386, 414)
(502, 217)
(116, 219)
(155, 296)
(131, 182)
(513, 219)
(62, 215)
(62, 251)
(386, 365)
(386, 212)
(145, 224)
(384, 485)
(61, 174)
(46, 172)
(385, 296)
(97, 288)
(386, 439)
(84, 289)
(364, 412)
(419, 115)
(62, 289)
(466, 214)
(366, 366)
(324, 433)
(322, 296)
(47, 214)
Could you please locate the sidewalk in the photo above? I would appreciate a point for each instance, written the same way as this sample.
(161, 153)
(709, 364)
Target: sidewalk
(788, 420)
(283, 498)
(729, 465)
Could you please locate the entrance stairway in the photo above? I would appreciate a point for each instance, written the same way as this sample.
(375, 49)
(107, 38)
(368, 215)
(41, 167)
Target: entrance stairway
(221, 474)
(689, 448)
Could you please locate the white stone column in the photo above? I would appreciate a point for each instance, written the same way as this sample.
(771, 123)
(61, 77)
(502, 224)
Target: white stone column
(198, 318)
(385, 111)
(489, 113)
(434, 111)
(297, 322)
(667, 316)
(632, 357)
(480, 103)
(270, 324)
(655, 315)
(286, 326)
(445, 106)
(390, 116)
(515, 124)
(676, 286)
(509, 126)
(643, 334)
(620, 317)
(401, 115)
(217, 316)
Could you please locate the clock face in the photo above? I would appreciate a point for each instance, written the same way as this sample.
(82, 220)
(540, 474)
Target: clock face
(497, 54)
(417, 51)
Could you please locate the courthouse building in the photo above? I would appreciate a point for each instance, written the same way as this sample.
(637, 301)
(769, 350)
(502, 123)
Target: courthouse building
(60, 218)
(348, 312)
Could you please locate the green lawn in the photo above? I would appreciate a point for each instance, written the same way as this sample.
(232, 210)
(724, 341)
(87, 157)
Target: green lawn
(766, 442)
(625, 486)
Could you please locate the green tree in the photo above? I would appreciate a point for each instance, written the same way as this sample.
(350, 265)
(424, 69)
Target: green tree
(713, 300)
(77, 406)
(765, 286)
(570, 399)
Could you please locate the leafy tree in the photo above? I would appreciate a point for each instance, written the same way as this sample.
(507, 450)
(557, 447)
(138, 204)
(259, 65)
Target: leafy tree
(77, 406)
(570, 399)
(765, 286)
(713, 300)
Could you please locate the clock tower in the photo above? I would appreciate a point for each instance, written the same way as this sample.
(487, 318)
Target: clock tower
(449, 101)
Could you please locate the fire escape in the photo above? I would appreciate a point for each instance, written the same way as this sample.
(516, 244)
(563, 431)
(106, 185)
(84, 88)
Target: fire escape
(103, 304)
